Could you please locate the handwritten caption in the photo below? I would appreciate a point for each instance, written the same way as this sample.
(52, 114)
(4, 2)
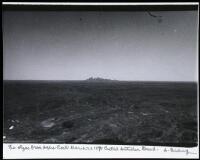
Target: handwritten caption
(99, 148)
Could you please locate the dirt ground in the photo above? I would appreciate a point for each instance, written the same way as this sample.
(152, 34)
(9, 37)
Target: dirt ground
(147, 113)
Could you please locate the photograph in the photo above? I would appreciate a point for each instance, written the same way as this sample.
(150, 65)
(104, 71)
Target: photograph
(105, 75)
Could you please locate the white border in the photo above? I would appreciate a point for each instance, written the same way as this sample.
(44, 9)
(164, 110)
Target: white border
(18, 154)
(198, 76)
(95, 4)
(96, 151)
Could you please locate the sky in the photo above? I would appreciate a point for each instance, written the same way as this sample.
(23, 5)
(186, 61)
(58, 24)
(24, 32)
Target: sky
(69, 45)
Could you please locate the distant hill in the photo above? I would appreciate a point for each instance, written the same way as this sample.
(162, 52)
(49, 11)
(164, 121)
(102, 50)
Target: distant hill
(98, 79)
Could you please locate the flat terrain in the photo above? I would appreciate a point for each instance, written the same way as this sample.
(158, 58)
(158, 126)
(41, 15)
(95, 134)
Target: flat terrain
(142, 113)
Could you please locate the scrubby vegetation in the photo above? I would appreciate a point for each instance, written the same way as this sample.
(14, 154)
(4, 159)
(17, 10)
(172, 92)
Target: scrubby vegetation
(101, 112)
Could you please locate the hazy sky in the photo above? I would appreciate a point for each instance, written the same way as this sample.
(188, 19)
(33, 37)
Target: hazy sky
(52, 45)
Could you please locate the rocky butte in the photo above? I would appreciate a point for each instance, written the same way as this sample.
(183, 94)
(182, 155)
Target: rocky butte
(98, 79)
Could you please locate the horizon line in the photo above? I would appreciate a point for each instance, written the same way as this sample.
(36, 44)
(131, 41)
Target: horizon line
(93, 81)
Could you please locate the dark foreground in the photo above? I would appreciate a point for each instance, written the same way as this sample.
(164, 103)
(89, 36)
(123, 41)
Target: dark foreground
(100, 113)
